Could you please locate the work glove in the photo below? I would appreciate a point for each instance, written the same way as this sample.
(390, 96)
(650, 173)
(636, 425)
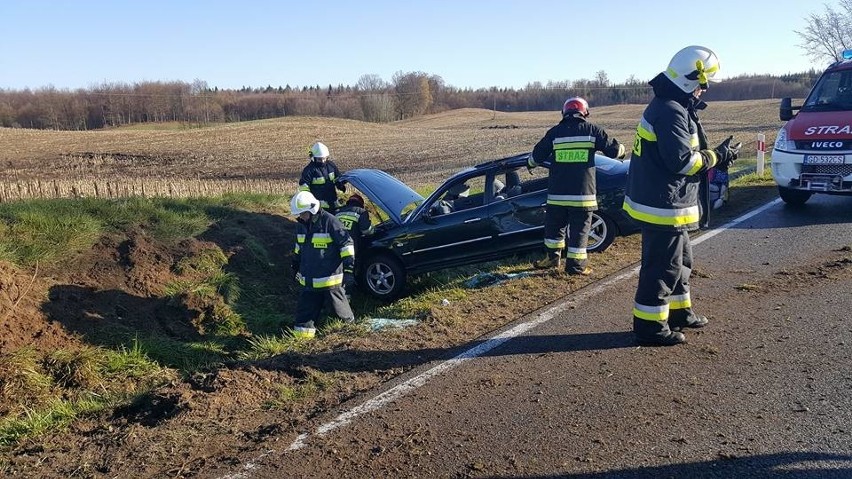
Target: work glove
(531, 164)
(726, 153)
(341, 186)
(348, 279)
(622, 152)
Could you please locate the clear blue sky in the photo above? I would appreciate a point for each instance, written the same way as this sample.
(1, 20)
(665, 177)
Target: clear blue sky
(476, 44)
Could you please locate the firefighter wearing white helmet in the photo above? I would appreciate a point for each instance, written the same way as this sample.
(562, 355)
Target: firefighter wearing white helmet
(568, 150)
(323, 264)
(667, 162)
(321, 177)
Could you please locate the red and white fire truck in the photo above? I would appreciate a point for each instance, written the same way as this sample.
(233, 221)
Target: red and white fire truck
(813, 150)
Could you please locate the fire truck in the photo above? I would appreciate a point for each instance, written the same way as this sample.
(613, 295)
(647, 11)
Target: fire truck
(813, 150)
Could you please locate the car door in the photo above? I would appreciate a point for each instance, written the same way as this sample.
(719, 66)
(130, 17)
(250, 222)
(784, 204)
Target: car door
(518, 215)
(459, 233)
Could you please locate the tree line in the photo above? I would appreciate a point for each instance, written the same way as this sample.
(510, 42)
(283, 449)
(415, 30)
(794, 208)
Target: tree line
(372, 99)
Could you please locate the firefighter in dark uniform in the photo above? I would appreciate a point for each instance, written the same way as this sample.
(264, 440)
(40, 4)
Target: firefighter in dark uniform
(320, 177)
(323, 263)
(355, 219)
(662, 195)
(568, 149)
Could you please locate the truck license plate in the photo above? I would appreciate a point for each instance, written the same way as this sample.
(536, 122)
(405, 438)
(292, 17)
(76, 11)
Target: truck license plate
(825, 159)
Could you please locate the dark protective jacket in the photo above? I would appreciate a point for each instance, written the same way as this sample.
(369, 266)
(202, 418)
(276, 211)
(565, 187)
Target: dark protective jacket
(357, 222)
(323, 251)
(662, 183)
(320, 179)
(568, 149)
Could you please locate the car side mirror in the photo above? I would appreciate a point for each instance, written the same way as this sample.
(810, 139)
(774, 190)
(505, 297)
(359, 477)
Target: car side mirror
(427, 216)
(785, 112)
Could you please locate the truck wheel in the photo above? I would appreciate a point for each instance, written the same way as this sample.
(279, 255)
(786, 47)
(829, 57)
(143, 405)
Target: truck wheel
(794, 197)
(601, 234)
(383, 276)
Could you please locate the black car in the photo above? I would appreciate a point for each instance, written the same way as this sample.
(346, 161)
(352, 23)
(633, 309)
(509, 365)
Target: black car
(486, 212)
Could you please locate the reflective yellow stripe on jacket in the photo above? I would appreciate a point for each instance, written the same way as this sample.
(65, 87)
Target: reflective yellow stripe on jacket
(300, 239)
(661, 216)
(328, 281)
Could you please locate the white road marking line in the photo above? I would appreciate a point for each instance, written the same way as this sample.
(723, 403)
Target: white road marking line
(706, 236)
(404, 388)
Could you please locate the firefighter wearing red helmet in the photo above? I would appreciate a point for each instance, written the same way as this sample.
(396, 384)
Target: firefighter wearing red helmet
(356, 219)
(662, 194)
(320, 177)
(568, 150)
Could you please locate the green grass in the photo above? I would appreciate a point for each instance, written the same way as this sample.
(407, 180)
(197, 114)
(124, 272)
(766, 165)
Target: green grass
(50, 231)
(66, 384)
(314, 383)
(753, 179)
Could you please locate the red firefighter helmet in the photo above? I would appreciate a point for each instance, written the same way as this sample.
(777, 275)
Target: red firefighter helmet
(575, 104)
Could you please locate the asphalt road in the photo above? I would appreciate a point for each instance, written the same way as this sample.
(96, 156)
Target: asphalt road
(763, 391)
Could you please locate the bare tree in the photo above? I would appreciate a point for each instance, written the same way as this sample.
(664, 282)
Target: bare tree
(413, 93)
(827, 34)
(371, 83)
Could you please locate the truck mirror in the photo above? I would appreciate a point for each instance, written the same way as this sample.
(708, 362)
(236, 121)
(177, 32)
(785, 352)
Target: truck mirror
(786, 110)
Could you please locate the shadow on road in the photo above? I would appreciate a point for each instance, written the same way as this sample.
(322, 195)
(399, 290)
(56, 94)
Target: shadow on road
(795, 465)
(819, 210)
(565, 343)
(360, 360)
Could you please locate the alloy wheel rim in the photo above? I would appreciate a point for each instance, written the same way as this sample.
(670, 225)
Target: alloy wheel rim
(381, 278)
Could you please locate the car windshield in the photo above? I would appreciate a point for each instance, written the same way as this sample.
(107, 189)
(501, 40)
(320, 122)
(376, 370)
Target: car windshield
(832, 92)
(407, 209)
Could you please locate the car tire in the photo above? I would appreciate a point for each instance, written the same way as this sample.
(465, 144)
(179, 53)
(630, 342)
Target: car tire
(794, 197)
(601, 234)
(382, 276)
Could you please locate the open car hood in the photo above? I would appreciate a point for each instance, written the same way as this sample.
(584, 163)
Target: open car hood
(386, 192)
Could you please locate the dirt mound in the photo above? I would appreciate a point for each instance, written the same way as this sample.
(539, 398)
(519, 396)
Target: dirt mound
(118, 289)
(22, 323)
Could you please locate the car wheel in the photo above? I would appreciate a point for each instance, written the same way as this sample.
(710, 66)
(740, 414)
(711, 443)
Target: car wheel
(794, 197)
(383, 276)
(601, 233)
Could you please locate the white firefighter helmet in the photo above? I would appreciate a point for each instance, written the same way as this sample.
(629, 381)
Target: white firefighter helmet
(693, 67)
(304, 201)
(319, 150)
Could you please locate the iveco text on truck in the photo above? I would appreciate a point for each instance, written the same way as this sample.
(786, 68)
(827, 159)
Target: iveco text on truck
(813, 150)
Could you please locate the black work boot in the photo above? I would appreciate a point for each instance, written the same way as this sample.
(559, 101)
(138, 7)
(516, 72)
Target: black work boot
(656, 333)
(678, 322)
(667, 338)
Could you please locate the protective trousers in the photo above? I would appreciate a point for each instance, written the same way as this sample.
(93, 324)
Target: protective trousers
(662, 297)
(578, 222)
(311, 302)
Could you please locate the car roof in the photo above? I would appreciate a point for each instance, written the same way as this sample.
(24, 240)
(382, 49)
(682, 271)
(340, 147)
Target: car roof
(841, 65)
